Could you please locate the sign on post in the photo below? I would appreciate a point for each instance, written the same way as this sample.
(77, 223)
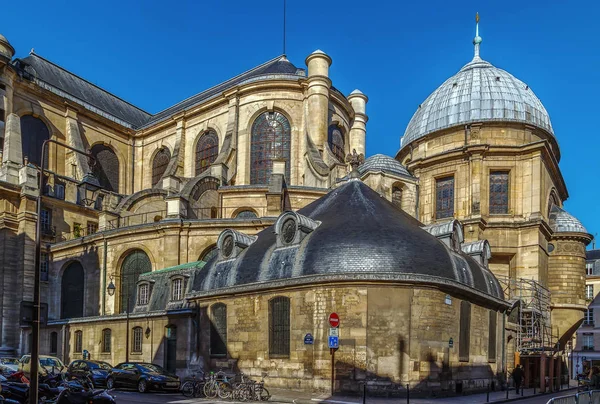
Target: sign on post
(334, 320)
(333, 342)
(334, 332)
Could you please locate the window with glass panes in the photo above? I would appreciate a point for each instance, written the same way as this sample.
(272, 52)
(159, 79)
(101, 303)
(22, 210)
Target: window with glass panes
(137, 340)
(44, 266)
(177, 289)
(588, 318)
(78, 341)
(589, 291)
(46, 219)
(270, 141)
(92, 228)
(589, 268)
(143, 294)
(587, 343)
(444, 197)
(498, 192)
(207, 150)
(279, 327)
(106, 340)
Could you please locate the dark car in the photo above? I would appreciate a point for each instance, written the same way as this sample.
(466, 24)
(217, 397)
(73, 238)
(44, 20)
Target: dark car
(97, 371)
(142, 376)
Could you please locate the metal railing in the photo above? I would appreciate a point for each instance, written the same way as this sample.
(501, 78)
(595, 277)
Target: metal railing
(586, 397)
(137, 219)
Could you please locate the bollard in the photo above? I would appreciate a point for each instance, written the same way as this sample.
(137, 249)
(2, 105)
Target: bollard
(364, 393)
(407, 393)
(487, 398)
(522, 390)
(533, 387)
(507, 390)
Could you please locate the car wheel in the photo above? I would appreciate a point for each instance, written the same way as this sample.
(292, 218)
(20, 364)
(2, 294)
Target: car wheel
(142, 386)
(110, 383)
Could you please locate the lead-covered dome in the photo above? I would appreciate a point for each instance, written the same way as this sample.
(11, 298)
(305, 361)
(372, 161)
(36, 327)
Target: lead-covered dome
(479, 92)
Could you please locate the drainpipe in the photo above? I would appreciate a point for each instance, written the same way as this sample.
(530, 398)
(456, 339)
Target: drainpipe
(504, 346)
(417, 202)
(132, 165)
(104, 279)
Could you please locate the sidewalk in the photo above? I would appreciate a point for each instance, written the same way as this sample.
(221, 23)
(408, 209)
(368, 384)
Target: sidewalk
(299, 397)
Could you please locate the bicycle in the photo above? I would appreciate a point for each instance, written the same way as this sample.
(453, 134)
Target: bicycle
(194, 387)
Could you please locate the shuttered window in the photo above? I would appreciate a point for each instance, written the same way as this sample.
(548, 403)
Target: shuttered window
(218, 330)
(464, 339)
(279, 327)
(492, 336)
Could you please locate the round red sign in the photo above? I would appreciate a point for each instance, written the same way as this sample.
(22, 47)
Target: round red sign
(334, 320)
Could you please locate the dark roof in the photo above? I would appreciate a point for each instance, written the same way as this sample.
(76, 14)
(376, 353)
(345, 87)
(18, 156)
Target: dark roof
(383, 163)
(81, 89)
(278, 67)
(360, 234)
(592, 255)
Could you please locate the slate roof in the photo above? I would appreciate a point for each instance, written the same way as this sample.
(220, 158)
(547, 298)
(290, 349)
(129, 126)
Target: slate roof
(563, 221)
(46, 74)
(360, 235)
(383, 163)
(591, 255)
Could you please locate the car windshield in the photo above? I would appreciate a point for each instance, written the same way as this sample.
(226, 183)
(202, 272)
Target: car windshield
(99, 365)
(9, 361)
(149, 367)
(49, 362)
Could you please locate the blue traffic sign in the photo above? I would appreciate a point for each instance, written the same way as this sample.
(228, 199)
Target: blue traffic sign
(333, 342)
(308, 339)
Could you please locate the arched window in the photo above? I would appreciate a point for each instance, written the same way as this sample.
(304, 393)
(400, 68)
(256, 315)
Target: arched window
(78, 341)
(33, 133)
(218, 330)
(271, 140)
(53, 343)
(209, 253)
(336, 142)
(106, 167)
(136, 342)
(397, 196)
(554, 200)
(106, 340)
(279, 327)
(72, 287)
(159, 164)
(135, 264)
(207, 150)
(246, 214)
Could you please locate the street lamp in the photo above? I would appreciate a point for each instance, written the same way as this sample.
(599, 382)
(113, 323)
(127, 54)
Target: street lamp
(87, 189)
(111, 289)
(35, 325)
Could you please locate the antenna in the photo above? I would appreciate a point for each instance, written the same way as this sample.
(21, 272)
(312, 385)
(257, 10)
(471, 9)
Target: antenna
(284, 27)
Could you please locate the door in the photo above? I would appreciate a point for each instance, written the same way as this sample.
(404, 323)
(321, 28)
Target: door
(171, 348)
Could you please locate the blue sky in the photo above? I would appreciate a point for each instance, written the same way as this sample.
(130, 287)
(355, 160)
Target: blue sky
(156, 53)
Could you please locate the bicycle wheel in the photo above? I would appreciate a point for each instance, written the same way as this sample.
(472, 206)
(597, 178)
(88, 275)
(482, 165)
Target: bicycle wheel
(199, 389)
(210, 389)
(264, 394)
(224, 389)
(188, 389)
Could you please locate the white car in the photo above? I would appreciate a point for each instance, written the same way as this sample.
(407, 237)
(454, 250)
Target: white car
(47, 364)
(9, 365)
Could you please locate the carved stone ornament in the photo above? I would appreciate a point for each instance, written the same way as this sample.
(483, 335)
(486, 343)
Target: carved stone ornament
(355, 159)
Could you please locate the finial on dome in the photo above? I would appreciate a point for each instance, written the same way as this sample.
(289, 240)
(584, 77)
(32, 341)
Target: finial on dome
(477, 40)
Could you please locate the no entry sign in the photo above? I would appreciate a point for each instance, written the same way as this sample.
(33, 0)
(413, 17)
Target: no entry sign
(334, 320)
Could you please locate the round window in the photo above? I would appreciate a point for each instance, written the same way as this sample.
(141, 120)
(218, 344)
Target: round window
(288, 231)
(227, 247)
(550, 247)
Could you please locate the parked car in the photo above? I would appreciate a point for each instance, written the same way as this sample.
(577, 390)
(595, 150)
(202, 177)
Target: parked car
(10, 363)
(47, 364)
(97, 371)
(142, 376)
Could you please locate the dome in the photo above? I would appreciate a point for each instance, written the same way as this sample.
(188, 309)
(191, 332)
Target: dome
(352, 233)
(6, 48)
(562, 221)
(479, 92)
(383, 163)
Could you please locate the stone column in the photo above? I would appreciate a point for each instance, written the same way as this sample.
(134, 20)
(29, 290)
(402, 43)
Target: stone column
(358, 131)
(12, 158)
(317, 97)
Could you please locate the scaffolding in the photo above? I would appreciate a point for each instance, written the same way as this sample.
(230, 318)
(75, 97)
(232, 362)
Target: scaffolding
(531, 315)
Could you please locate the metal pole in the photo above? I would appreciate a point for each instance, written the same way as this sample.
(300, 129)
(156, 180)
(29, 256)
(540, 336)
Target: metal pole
(35, 324)
(332, 351)
(487, 398)
(407, 393)
(127, 325)
(365, 393)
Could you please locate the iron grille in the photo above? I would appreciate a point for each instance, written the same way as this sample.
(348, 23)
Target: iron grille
(336, 142)
(78, 341)
(271, 140)
(464, 339)
(72, 291)
(106, 167)
(218, 330)
(159, 164)
(106, 340)
(135, 264)
(207, 150)
(492, 336)
(137, 340)
(444, 191)
(499, 192)
(279, 327)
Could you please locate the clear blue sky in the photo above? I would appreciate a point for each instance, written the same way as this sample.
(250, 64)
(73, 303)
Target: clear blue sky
(156, 53)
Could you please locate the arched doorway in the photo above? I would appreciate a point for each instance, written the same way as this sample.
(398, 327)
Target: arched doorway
(135, 264)
(72, 287)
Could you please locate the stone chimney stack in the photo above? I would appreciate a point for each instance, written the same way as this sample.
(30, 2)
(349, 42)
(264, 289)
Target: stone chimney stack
(318, 97)
(358, 131)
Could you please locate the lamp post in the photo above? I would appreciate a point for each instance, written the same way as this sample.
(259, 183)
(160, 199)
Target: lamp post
(88, 188)
(111, 289)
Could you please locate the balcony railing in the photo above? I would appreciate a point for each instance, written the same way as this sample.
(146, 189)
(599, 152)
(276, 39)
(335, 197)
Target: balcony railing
(76, 233)
(587, 348)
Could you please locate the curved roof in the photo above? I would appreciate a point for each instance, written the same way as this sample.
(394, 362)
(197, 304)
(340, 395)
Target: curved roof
(479, 92)
(360, 236)
(386, 164)
(563, 221)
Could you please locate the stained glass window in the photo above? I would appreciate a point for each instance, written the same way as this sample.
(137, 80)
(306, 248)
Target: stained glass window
(336, 142)
(159, 164)
(72, 287)
(444, 195)
(106, 167)
(207, 150)
(33, 132)
(218, 330)
(271, 140)
(498, 192)
(135, 264)
(279, 327)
